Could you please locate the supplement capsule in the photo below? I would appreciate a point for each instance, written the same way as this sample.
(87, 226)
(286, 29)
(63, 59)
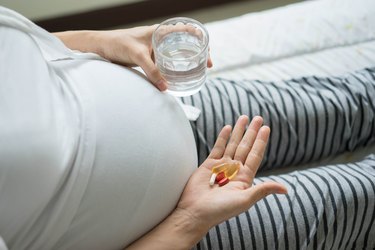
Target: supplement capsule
(212, 180)
(223, 181)
(229, 169)
(220, 176)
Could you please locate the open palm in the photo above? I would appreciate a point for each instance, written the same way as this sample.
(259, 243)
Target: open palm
(211, 205)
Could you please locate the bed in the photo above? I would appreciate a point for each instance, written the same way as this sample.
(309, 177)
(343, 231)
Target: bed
(331, 201)
(324, 38)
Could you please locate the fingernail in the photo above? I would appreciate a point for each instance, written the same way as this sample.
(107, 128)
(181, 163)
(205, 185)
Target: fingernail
(283, 190)
(161, 84)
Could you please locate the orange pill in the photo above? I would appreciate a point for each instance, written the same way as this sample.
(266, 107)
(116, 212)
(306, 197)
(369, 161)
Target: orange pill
(230, 169)
(223, 181)
(220, 176)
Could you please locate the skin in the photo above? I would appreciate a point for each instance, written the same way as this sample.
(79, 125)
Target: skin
(201, 206)
(127, 47)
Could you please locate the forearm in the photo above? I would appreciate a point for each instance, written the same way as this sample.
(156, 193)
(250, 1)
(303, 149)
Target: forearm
(126, 47)
(180, 230)
(82, 40)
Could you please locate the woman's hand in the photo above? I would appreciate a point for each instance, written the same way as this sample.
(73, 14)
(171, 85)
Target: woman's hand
(132, 47)
(210, 205)
(202, 206)
(128, 47)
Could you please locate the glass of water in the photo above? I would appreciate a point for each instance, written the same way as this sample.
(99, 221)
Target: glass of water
(181, 52)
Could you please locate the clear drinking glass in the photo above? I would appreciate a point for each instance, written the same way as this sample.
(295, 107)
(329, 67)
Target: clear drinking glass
(181, 52)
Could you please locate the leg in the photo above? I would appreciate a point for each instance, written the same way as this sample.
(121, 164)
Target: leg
(311, 117)
(331, 207)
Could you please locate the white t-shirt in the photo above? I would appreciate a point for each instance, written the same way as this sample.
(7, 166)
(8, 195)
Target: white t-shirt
(92, 156)
(2, 244)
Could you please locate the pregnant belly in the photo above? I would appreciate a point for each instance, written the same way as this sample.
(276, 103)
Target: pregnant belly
(145, 153)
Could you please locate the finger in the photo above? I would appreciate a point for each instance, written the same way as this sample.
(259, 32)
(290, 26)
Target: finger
(221, 141)
(262, 190)
(236, 136)
(178, 27)
(248, 139)
(209, 63)
(255, 156)
(209, 60)
(152, 72)
(151, 29)
(189, 28)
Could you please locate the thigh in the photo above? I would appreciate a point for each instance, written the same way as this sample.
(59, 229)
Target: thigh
(331, 207)
(310, 117)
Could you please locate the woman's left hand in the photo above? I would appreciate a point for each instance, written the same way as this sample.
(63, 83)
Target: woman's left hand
(202, 206)
(210, 205)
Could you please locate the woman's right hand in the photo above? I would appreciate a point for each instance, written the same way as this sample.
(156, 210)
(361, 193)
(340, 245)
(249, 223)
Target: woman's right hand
(133, 47)
(128, 47)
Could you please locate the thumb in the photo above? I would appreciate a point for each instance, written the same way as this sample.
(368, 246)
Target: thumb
(260, 191)
(153, 73)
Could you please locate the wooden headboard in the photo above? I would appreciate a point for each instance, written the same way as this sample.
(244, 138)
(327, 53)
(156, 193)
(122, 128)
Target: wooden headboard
(125, 14)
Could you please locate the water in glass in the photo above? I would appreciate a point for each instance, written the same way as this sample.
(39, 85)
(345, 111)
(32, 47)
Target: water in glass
(182, 63)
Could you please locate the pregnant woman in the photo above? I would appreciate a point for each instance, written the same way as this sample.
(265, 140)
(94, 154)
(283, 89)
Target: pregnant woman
(94, 157)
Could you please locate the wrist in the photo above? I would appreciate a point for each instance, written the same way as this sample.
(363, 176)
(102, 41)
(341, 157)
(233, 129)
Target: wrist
(179, 231)
(188, 226)
(82, 40)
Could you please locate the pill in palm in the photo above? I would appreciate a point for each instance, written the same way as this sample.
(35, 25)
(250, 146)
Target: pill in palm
(223, 181)
(220, 176)
(212, 180)
(223, 173)
(229, 169)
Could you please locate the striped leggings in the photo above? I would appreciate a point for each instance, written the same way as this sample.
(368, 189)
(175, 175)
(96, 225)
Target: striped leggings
(311, 118)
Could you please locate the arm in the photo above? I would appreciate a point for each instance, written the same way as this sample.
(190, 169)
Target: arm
(202, 206)
(179, 231)
(128, 47)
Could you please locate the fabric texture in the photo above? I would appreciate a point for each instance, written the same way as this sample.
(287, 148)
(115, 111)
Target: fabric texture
(46, 146)
(330, 207)
(2, 244)
(321, 38)
(87, 148)
(310, 118)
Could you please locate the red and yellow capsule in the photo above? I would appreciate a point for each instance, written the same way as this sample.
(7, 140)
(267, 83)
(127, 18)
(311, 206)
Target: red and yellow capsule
(223, 173)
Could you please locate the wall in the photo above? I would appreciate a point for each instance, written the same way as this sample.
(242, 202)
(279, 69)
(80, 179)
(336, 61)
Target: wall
(41, 9)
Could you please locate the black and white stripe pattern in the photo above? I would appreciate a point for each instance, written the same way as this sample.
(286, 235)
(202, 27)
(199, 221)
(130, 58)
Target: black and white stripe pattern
(331, 207)
(310, 118)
